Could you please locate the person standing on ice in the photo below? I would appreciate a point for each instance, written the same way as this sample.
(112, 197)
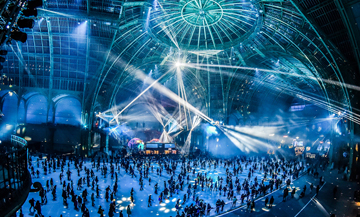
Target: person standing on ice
(101, 211)
(271, 201)
(93, 199)
(156, 188)
(150, 200)
(128, 210)
(32, 203)
(234, 201)
(266, 201)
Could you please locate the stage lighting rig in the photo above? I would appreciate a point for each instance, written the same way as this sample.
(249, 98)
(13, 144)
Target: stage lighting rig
(12, 18)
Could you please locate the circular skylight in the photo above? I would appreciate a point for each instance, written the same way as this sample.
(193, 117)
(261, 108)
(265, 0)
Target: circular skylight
(203, 24)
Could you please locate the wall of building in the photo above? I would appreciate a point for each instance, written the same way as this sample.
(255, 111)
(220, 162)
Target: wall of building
(49, 123)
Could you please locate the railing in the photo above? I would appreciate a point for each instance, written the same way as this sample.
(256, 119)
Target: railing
(15, 179)
(18, 140)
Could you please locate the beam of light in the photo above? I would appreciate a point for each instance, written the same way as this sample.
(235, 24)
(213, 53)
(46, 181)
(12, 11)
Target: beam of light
(301, 94)
(171, 95)
(352, 116)
(244, 142)
(55, 12)
(258, 136)
(154, 82)
(80, 30)
(166, 30)
(147, 22)
(157, 110)
(165, 137)
(337, 83)
(196, 122)
(182, 95)
(160, 114)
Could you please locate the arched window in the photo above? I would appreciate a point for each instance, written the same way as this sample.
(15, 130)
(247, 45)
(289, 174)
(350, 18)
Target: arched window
(36, 110)
(68, 111)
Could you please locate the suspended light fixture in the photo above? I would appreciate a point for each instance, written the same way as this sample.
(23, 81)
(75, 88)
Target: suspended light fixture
(26, 23)
(19, 36)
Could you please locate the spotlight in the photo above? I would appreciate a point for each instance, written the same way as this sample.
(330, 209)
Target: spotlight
(211, 130)
(26, 23)
(35, 4)
(177, 64)
(19, 36)
(30, 12)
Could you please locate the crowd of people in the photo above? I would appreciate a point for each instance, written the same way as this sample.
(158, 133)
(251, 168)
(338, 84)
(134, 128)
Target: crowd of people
(244, 179)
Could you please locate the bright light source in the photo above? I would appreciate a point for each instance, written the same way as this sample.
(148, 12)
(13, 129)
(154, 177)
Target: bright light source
(211, 130)
(177, 64)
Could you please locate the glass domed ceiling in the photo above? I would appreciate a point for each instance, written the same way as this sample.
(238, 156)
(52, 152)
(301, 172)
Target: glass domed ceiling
(203, 24)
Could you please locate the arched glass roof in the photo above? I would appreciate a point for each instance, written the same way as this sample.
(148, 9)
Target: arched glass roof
(235, 54)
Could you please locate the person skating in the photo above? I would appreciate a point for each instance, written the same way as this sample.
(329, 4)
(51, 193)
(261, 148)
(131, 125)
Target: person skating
(101, 211)
(222, 205)
(271, 201)
(317, 189)
(93, 199)
(208, 209)
(32, 204)
(150, 200)
(286, 192)
(293, 192)
(218, 205)
(234, 201)
(86, 213)
(128, 210)
(38, 208)
(252, 205)
(266, 201)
